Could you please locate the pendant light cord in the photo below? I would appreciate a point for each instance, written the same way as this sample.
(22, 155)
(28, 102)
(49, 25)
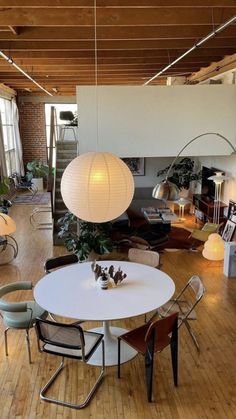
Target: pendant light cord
(96, 69)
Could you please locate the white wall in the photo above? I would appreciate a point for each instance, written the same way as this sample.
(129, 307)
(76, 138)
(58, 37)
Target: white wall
(156, 120)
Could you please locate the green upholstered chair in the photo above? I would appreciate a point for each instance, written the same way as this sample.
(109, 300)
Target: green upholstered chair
(19, 315)
(204, 233)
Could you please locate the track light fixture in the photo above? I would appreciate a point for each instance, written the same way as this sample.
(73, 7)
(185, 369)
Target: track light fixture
(198, 44)
(10, 61)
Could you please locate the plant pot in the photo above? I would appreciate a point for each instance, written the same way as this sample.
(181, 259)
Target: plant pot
(38, 182)
(184, 193)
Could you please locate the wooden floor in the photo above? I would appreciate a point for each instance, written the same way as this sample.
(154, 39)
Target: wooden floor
(207, 381)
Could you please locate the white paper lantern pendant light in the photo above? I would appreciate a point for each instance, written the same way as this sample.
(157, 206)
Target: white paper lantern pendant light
(97, 186)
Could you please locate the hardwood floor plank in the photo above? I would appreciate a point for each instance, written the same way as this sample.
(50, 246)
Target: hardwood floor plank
(207, 381)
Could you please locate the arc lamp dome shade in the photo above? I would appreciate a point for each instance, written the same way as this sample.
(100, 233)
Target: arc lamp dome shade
(166, 190)
(97, 187)
(214, 247)
(7, 225)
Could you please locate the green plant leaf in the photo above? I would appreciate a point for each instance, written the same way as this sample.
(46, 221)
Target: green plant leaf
(91, 236)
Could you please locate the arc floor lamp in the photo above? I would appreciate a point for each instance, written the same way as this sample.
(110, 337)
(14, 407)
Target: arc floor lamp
(167, 190)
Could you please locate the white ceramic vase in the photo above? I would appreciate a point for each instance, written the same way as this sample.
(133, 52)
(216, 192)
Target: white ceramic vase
(38, 182)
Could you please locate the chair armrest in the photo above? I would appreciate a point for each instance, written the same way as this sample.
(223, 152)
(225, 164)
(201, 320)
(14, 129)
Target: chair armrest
(13, 307)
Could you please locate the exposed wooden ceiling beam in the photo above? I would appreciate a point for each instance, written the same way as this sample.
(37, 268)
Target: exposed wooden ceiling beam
(111, 33)
(215, 69)
(114, 16)
(122, 3)
(53, 40)
(170, 53)
(112, 45)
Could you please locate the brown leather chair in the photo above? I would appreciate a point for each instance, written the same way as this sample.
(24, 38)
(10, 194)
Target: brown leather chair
(150, 338)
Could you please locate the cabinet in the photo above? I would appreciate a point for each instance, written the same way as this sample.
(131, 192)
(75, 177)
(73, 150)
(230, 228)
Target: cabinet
(206, 206)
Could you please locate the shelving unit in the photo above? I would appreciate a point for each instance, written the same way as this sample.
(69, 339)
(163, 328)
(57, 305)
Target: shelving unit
(206, 206)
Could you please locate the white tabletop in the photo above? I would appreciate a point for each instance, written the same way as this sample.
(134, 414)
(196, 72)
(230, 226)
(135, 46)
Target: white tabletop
(73, 292)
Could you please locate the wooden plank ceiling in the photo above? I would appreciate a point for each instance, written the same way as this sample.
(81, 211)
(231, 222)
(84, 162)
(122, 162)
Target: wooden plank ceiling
(53, 40)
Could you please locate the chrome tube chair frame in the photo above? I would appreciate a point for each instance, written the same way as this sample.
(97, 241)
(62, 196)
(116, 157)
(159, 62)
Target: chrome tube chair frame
(186, 310)
(23, 185)
(50, 333)
(11, 242)
(36, 224)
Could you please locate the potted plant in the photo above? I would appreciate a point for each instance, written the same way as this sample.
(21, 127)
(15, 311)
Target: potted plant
(37, 170)
(182, 174)
(91, 237)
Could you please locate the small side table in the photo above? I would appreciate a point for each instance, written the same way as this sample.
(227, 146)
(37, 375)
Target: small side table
(181, 203)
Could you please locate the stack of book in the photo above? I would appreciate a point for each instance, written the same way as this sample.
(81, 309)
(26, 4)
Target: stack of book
(168, 215)
(152, 215)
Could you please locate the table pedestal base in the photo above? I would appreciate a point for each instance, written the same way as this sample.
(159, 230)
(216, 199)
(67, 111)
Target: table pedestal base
(111, 346)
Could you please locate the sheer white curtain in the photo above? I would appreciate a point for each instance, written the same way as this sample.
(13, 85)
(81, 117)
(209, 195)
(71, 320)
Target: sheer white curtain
(3, 166)
(17, 139)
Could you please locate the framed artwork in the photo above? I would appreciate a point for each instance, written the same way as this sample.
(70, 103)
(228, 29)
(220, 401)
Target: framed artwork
(233, 218)
(136, 165)
(228, 231)
(231, 210)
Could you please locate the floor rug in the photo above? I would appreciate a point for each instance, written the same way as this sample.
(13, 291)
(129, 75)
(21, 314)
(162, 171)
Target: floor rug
(179, 238)
(41, 198)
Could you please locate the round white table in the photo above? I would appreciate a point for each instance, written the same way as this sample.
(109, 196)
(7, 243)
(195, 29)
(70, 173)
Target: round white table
(73, 292)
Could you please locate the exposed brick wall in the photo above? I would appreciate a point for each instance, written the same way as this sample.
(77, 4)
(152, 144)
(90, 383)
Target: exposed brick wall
(32, 130)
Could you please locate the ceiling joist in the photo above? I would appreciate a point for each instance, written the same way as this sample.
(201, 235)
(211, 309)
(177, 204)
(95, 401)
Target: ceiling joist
(53, 40)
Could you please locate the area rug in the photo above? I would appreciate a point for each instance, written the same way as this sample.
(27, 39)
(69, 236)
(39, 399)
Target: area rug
(41, 198)
(179, 238)
(176, 238)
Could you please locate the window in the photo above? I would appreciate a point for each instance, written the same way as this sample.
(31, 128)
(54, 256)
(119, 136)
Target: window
(8, 135)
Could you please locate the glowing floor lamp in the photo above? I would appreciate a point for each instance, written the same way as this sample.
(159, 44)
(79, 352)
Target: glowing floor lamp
(218, 179)
(214, 247)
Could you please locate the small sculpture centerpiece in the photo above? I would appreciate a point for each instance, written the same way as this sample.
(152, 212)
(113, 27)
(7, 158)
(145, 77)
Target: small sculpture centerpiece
(103, 276)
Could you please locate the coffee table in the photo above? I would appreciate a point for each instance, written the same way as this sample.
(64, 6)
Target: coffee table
(73, 292)
(159, 215)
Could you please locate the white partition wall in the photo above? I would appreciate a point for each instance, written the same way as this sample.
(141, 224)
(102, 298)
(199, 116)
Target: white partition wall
(156, 120)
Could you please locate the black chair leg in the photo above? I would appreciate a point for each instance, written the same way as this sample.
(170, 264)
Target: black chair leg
(174, 356)
(118, 357)
(149, 358)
